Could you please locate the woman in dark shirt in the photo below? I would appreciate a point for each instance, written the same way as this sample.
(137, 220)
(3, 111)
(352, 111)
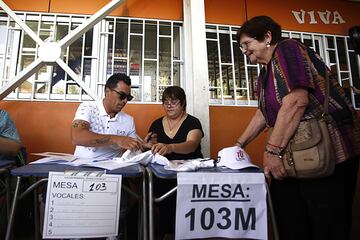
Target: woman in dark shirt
(178, 135)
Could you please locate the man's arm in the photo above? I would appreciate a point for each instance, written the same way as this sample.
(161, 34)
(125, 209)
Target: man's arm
(9, 147)
(81, 135)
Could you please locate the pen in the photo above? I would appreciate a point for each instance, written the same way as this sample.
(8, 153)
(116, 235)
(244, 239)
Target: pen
(205, 159)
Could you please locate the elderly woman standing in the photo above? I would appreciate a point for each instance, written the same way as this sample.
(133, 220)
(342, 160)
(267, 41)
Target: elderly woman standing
(290, 88)
(178, 135)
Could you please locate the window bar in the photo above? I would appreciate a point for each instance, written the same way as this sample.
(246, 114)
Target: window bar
(350, 75)
(5, 52)
(181, 60)
(113, 47)
(128, 49)
(17, 94)
(157, 61)
(313, 42)
(141, 87)
(67, 63)
(326, 52)
(82, 63)
(52, 67)
(95, 73)
(172, 54)
(95, 58)
(233, 66)
(65, 55)
(246, 68)
(337, 61)
(220, 67)
(102, 53)
(35, 75)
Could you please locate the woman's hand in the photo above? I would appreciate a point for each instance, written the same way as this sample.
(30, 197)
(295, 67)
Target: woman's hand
(150, 140)
(273, 166)
(162, 148)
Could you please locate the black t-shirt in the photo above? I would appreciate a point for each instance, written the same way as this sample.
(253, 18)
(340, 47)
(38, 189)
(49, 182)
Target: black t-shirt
(187, 125)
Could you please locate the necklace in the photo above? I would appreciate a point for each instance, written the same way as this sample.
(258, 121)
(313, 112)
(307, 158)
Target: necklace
(171, 128)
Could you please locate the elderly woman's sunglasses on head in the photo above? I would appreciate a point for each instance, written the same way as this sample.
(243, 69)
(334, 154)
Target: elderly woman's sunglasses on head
(123, 95)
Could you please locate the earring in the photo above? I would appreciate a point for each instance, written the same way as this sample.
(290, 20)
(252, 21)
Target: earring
(267, 44)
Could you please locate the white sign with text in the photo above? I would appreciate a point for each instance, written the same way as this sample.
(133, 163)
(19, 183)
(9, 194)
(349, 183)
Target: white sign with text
(82, 205)
(231, 205)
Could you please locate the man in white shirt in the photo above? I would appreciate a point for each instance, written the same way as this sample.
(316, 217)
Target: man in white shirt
(100, 129)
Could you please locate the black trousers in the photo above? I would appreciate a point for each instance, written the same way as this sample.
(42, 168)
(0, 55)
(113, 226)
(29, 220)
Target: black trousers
(315, 209)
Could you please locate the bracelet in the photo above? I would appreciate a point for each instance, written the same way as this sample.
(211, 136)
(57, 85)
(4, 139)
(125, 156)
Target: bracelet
(276, 146)
(280, 153)
(240, 144)
(274, 153)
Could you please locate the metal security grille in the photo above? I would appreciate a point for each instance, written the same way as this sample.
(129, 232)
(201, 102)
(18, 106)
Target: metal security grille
(232, 79)
(148, 50)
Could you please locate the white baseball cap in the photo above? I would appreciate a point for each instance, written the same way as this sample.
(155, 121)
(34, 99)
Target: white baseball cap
(234, 157)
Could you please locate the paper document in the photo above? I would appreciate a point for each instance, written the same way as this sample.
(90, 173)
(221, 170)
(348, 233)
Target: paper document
(56, 155)
(82, 205)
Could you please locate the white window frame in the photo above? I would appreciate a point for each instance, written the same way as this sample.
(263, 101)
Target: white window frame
(98, 58)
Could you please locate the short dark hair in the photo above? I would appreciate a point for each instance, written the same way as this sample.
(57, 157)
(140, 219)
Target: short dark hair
(174, 93)
(258, 26)
(115, 78)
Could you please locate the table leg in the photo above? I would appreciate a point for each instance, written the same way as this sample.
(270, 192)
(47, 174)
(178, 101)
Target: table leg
(12, 211)
(36, 215)
(144, 209)
(151, 204)
(8, 194)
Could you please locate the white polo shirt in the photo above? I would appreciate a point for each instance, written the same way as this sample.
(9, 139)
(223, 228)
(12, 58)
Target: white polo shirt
(100, 122)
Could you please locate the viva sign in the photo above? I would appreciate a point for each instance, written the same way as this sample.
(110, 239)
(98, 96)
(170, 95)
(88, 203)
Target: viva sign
(312, 17)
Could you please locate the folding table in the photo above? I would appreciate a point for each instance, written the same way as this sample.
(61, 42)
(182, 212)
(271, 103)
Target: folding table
(160, 172)
(42, 170)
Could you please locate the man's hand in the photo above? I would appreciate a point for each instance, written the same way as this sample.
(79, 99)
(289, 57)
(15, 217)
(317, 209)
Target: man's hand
(127, 142)
(273, 166)
(162, 148)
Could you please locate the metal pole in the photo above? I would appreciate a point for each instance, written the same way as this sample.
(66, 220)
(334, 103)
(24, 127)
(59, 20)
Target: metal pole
(12, 211)
(151, 202)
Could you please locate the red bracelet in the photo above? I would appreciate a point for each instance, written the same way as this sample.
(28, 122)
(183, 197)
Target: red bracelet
(276, 146)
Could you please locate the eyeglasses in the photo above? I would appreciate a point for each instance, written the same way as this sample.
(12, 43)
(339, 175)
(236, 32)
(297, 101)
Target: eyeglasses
(244, 46)
(171, 102)
(123, 95)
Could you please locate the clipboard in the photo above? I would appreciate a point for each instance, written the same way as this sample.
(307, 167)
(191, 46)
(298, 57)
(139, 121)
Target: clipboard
(82, 204)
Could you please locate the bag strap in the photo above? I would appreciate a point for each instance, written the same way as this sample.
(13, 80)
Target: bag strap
(327, 93)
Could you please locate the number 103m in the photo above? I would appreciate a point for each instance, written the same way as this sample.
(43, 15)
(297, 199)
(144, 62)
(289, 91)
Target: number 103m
(239, 219)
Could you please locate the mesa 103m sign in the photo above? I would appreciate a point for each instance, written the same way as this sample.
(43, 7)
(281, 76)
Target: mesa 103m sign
(222, 204)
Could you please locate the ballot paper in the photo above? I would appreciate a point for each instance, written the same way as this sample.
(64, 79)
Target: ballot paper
(69, 159)
(82, 205)
(127, 159)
